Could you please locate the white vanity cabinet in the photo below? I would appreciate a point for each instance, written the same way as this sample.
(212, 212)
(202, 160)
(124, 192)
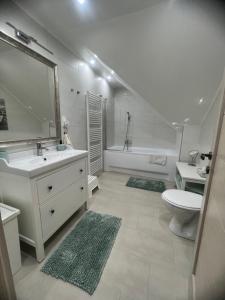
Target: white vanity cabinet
(47, 200)
(188, 179)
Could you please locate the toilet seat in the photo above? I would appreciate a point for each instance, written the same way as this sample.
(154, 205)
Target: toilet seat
(183, 199)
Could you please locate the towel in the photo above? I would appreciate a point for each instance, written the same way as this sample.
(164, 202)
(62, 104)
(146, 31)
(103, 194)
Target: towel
(160, 160)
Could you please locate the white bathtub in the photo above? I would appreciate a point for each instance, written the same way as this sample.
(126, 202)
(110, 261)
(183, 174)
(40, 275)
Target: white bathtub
(136, 161)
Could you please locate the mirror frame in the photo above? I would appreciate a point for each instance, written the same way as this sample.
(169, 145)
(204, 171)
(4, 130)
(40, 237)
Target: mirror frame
(21, 47)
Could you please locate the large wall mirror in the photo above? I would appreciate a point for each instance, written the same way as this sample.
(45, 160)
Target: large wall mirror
(29, 104)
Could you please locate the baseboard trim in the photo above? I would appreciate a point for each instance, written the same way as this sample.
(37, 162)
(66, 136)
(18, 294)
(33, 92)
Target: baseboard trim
(27, 240)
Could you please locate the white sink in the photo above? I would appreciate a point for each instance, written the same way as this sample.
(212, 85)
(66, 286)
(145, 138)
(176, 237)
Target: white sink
(50, 157)
(31, 166)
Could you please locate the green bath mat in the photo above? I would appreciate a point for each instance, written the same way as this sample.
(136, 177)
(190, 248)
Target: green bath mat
(81, 257)
(146, 184)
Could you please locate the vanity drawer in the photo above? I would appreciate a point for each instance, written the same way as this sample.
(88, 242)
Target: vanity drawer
(61, 207)
(54, 183)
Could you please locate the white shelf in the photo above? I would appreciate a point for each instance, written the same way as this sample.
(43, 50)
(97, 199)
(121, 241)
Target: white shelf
(189, 173)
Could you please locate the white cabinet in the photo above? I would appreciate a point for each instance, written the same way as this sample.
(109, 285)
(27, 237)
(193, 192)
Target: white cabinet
(10, 227)
(188, 179)
(52, 184)
(60, 207)
(46, 201)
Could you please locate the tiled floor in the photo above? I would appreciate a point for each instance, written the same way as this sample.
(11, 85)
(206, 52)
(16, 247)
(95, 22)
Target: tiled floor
(147, 262)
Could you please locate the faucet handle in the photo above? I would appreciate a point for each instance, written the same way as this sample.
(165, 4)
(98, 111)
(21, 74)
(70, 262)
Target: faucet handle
(208, 155)
(39, 148)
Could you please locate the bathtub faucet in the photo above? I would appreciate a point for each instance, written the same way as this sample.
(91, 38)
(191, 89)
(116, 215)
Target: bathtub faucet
(127, 143)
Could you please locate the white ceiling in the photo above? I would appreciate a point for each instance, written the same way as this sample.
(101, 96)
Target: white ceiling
(77, 16)
(170, 52)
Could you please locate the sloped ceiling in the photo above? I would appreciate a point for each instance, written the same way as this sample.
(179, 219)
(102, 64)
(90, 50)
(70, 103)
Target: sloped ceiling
(172, 52)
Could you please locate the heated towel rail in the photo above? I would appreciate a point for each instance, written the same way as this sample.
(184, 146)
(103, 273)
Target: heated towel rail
(94, 132)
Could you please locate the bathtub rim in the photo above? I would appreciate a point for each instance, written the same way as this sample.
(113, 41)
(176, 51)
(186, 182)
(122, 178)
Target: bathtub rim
(137, 151)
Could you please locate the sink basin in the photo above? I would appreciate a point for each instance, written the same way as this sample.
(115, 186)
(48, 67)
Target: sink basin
(50, 157)
(31, 166)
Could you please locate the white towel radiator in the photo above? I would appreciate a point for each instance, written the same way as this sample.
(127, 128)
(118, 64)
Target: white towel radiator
(95, 137)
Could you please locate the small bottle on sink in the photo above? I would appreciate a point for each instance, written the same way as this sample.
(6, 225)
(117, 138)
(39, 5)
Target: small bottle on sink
(61, 146)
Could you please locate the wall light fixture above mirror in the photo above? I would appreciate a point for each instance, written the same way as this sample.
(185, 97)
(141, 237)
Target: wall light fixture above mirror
(29, 100)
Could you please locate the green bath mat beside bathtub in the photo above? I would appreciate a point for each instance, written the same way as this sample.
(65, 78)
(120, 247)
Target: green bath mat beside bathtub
(81, 257)
(146, 184)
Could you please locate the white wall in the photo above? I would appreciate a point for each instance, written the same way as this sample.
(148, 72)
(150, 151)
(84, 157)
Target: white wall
(190, 141)
(202, 137)
(209, 125)
(71, 74)
(147, 128)
(109, 122)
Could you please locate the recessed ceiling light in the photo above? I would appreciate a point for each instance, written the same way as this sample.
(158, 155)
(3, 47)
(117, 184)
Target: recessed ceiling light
(92, 62)
(109, 77)
(201, 101)
(81, 1)
(96, 56)
(186, 120)
(112, 72)
(174, 123)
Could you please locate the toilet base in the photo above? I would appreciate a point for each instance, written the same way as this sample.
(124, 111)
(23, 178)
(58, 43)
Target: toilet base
(186, 230)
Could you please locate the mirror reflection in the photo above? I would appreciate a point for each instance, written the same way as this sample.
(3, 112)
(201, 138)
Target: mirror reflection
(27, 96)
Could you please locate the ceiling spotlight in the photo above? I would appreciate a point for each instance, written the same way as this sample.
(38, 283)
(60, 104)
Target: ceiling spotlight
(81, 1)
(109, 77)
(112, 72)
(201, 101)
(186, 120)
(92, 62)
(174, 124)
(96, 56)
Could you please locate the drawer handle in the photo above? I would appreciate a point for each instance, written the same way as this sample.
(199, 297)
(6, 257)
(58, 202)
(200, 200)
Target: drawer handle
(82, 188)
(52, 211)
(81, 170)
(50, 187)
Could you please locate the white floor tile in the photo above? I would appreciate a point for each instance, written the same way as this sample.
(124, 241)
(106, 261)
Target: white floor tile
(148, 262)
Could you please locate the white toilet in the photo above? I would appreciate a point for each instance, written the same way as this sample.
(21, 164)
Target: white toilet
(185, 207)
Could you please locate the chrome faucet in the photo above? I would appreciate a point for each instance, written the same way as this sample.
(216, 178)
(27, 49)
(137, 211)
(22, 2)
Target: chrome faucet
(40, 148)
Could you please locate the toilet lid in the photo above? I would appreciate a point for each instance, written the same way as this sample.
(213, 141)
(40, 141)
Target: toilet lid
(183, 199)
